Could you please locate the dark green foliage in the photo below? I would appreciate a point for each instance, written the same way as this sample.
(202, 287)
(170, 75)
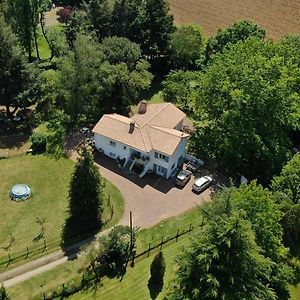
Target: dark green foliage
(239, 31)
(24, 18)
(224, 262)
(94, 81)
(112, 254)
(288, 182)
(187, 47)
(236, 125)
(147, 23)
(261, 208)
(39, 142)
(238, 254)
(100, 17)
(13, 67)
(3, 294)
(85, 198)
(291, 227)
(181, 88)
(157, 273)
(119, 49)
(159, 26)
(57, 42)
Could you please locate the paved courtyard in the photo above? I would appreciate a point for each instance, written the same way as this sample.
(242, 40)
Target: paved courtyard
(151, 198)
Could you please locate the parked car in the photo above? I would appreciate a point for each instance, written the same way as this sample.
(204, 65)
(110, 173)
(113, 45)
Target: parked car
(193, 166)
(202, 183)
(183, 177)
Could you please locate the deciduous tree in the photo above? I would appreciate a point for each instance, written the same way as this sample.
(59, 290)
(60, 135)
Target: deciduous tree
(239, 31)
(247, 103)
(288, 182)
(14, 71)
(187, 47)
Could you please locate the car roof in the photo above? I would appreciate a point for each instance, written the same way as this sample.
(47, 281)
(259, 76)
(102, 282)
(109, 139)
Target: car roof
(203, 180)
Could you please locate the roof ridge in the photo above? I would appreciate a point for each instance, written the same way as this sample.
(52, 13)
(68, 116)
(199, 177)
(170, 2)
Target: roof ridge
(129, 119)
(148, 137)
(168, 103)
(160, 128)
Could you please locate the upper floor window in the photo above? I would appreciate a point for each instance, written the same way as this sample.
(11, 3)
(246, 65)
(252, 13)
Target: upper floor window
(161, 156)
(112, 143)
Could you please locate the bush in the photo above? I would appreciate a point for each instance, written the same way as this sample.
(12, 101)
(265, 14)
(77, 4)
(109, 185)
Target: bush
(39, 142)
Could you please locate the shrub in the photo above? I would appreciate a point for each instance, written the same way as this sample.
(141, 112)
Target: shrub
(39, 142)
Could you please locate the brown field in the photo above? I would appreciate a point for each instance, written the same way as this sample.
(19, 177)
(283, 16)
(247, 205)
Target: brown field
(277, 17)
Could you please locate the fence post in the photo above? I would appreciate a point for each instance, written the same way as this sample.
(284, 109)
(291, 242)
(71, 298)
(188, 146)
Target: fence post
(149, 250)
(27, 254)
(45, 246)
(177, 235)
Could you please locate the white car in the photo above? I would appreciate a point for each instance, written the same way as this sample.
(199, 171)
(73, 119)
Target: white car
(202, 183)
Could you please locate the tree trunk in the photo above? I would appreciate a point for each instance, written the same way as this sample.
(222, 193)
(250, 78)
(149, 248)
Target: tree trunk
(36, 45)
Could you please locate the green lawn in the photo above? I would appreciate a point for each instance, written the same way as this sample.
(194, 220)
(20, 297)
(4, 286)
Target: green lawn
(49, 179)
(134, 284)
(50, 280)
(295, 292)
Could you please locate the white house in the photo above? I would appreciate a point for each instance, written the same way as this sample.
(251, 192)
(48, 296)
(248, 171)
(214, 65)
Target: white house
(150, 140)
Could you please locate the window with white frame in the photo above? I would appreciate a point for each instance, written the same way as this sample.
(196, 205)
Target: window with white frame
(161, 156)
(112, 143)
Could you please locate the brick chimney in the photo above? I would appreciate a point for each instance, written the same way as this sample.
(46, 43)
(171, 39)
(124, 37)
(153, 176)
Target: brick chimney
(142, 107)
(131, 126)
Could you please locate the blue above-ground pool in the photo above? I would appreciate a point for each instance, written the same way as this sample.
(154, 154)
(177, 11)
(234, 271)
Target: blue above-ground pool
(20, 192)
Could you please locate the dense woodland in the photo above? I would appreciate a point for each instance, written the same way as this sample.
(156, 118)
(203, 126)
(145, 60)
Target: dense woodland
(240, 89)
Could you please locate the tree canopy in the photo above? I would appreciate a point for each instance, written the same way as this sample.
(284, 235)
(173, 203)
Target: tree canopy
(236, 124)
(288, 182)
(223, 262)
(14, 70)
(187, 47)
(241, 224)
(85, 198)
(95, 79)
(226, 37)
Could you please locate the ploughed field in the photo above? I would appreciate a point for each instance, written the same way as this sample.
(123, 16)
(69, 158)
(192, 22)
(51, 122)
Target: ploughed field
(277, 17)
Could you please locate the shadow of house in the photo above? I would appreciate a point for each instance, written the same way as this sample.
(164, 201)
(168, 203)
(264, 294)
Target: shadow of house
(157, 182)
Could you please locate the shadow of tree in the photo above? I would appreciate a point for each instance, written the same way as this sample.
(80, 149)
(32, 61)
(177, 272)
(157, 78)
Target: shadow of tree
(155, 287)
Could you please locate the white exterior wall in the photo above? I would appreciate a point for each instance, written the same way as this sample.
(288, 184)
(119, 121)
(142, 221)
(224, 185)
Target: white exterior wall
(180, 151)
(103, 143)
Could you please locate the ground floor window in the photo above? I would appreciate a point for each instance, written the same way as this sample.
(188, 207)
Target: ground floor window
(160, 170)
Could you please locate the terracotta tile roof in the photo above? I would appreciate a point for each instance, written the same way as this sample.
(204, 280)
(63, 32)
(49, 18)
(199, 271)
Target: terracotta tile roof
(153, 129)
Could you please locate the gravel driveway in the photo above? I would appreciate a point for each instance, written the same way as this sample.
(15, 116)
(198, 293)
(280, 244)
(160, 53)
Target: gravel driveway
(151, 198)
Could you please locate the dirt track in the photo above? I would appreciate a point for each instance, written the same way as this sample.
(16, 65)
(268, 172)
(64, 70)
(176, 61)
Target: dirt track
(278, 17)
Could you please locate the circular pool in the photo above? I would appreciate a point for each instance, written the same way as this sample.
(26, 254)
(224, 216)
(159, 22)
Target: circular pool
(20, 192)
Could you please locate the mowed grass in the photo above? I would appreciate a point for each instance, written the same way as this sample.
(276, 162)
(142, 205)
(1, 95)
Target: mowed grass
(133, 286)
(295, 292)
(49, 180)
(70, 271)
